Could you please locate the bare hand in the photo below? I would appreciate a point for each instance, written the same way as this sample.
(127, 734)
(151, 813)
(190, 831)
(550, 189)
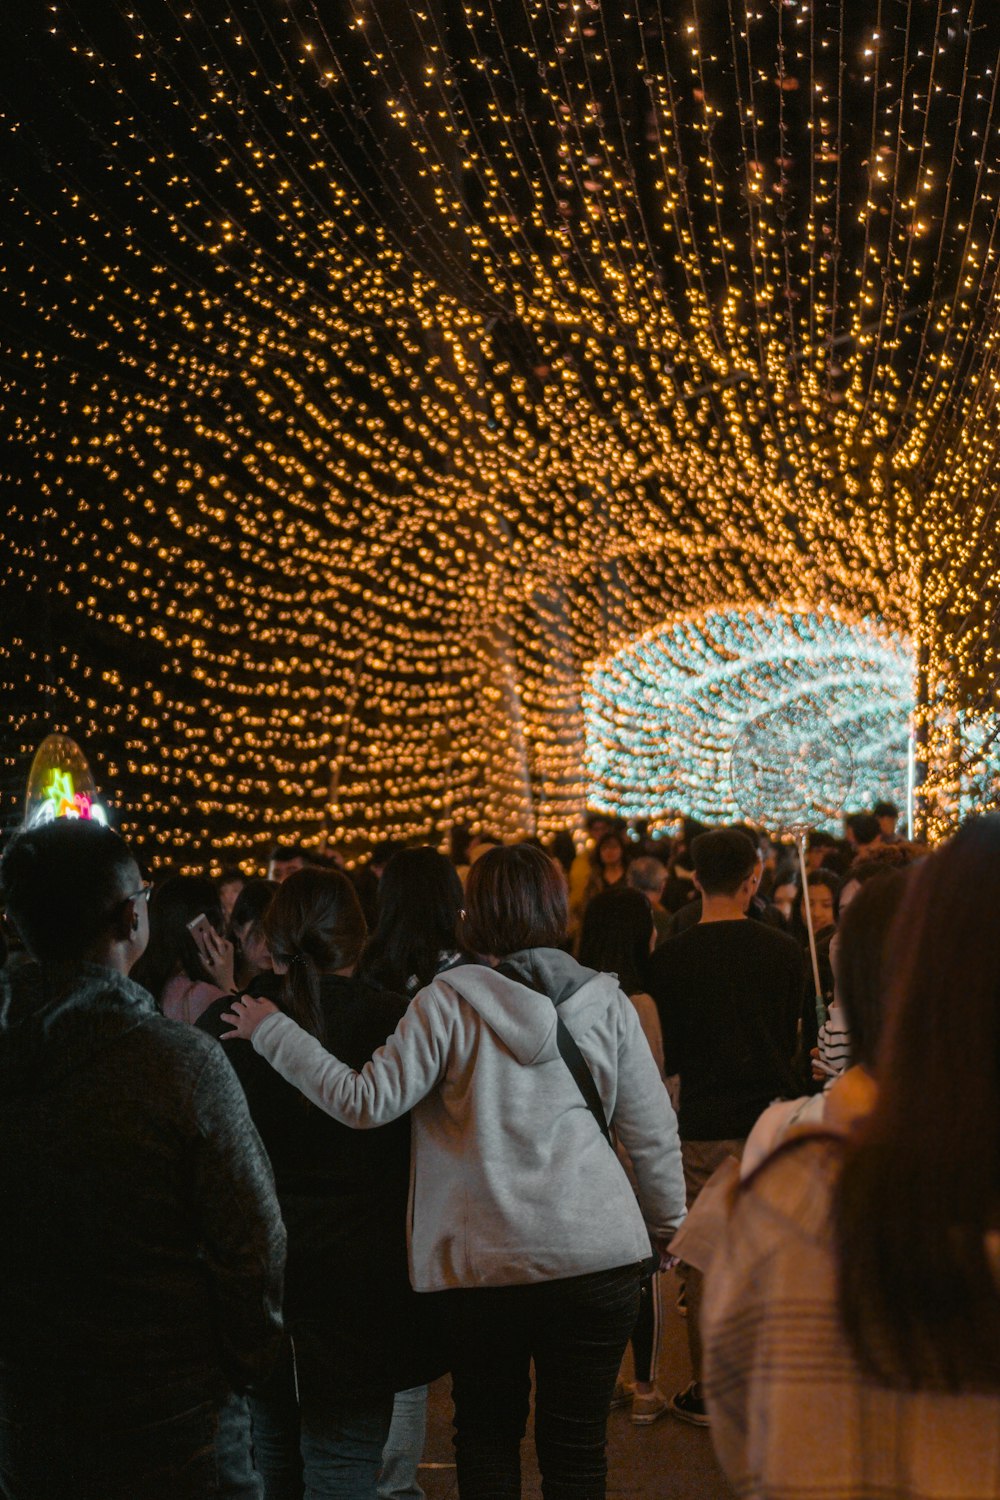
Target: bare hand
(245, 1016)
(660, 1245)
(216, 954)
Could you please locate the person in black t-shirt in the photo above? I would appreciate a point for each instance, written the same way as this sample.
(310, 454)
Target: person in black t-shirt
(728, 992)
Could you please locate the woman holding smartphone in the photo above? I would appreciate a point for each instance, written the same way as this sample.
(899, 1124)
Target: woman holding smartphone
(188, 962)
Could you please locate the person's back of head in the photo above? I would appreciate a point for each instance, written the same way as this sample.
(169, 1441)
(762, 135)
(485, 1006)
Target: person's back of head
(314, 925)
(419, 901)
(920, 1190)
(172, 950)
(647, 875)
(284, 858)
(723, 859)
(383, 852)
(63, 884)
(863, 829)
(616, 936)
(861, 962)
(562, 848)
(515, 898)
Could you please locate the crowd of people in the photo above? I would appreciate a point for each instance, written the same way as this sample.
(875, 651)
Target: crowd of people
(281, 1149)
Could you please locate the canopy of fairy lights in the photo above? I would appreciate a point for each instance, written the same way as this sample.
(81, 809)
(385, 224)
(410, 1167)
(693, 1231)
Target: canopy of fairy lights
(368, 369)
(663, 713)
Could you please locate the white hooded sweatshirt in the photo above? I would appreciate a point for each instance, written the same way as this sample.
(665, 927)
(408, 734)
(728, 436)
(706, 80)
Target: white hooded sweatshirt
(511, 1179)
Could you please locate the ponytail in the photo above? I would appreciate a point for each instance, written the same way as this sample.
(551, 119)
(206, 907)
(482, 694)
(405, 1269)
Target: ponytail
(315, 925)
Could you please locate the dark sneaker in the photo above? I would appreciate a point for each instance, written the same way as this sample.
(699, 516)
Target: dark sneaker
(689, 1406)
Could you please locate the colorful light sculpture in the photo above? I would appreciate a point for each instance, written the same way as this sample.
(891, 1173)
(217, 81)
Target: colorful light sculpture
(61, 785)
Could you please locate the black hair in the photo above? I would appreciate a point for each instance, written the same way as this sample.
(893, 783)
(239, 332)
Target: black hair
(62, 884)
(419, 901)
(832, 882)
(861, 961)
(617, 928)
(723, 858)
(885, 810)
(459, 839)
(316, 926)
(384, 850)
(864, 826)
(515, 898)
(229, 875)
(562, 848)
(252, 902)
(916, 1202)
(284, 852)
(174, 903)
(613, 835)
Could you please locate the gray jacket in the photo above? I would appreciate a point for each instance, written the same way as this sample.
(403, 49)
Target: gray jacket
(142, 1241)
(512, 1180)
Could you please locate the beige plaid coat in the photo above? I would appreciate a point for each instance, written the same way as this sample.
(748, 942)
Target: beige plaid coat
(793, 1418)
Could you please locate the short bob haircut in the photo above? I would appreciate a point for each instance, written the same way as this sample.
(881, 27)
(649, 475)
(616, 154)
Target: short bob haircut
(515, 898)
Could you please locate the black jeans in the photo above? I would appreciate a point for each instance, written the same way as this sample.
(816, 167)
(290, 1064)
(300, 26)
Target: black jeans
(575, 1331)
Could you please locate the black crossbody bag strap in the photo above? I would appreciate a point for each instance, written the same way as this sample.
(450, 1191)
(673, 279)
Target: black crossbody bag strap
(577, 1064)
(570, 1054)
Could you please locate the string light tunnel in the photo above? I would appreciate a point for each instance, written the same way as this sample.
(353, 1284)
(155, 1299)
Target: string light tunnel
(367, 370)
(663, 713)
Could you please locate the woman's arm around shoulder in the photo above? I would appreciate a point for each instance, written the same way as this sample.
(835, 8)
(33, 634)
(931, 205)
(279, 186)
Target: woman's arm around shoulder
(401, 1073)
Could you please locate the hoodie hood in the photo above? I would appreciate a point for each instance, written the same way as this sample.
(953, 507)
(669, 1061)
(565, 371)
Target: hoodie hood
(53, 1021)
(518, 1001)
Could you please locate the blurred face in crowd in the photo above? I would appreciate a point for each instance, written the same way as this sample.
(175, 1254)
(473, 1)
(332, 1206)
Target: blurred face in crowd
(256, 953)
(784, 898)
(612, 852)
(820, 907)
(280, 869)
(228, 892)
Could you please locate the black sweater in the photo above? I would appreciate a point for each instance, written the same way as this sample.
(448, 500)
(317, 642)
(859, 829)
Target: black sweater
(729, 997)
(343, 1195)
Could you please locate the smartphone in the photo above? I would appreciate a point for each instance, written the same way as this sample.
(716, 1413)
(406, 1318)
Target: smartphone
(198, 927)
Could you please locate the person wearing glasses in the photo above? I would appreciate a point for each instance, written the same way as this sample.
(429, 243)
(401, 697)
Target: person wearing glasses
(142, 1254)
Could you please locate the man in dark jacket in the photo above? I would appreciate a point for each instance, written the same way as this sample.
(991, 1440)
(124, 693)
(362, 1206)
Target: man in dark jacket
(142, 1253)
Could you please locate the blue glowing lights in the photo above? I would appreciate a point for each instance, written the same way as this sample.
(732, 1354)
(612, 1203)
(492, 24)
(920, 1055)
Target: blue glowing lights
(662, 713)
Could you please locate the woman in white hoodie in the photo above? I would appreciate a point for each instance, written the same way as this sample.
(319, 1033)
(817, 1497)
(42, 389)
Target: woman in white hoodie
(520, 1211)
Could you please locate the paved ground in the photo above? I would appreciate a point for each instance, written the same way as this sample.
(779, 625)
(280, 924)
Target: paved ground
(667, 1461)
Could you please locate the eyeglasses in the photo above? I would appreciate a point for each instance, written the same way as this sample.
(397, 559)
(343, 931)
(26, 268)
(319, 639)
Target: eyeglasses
(142, 894)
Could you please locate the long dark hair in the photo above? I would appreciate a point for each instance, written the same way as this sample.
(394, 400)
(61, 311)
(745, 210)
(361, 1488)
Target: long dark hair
(316, 926)
(174, 903)
(617, 927)
(863, 962)
(419, 901)
(920, 1187)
